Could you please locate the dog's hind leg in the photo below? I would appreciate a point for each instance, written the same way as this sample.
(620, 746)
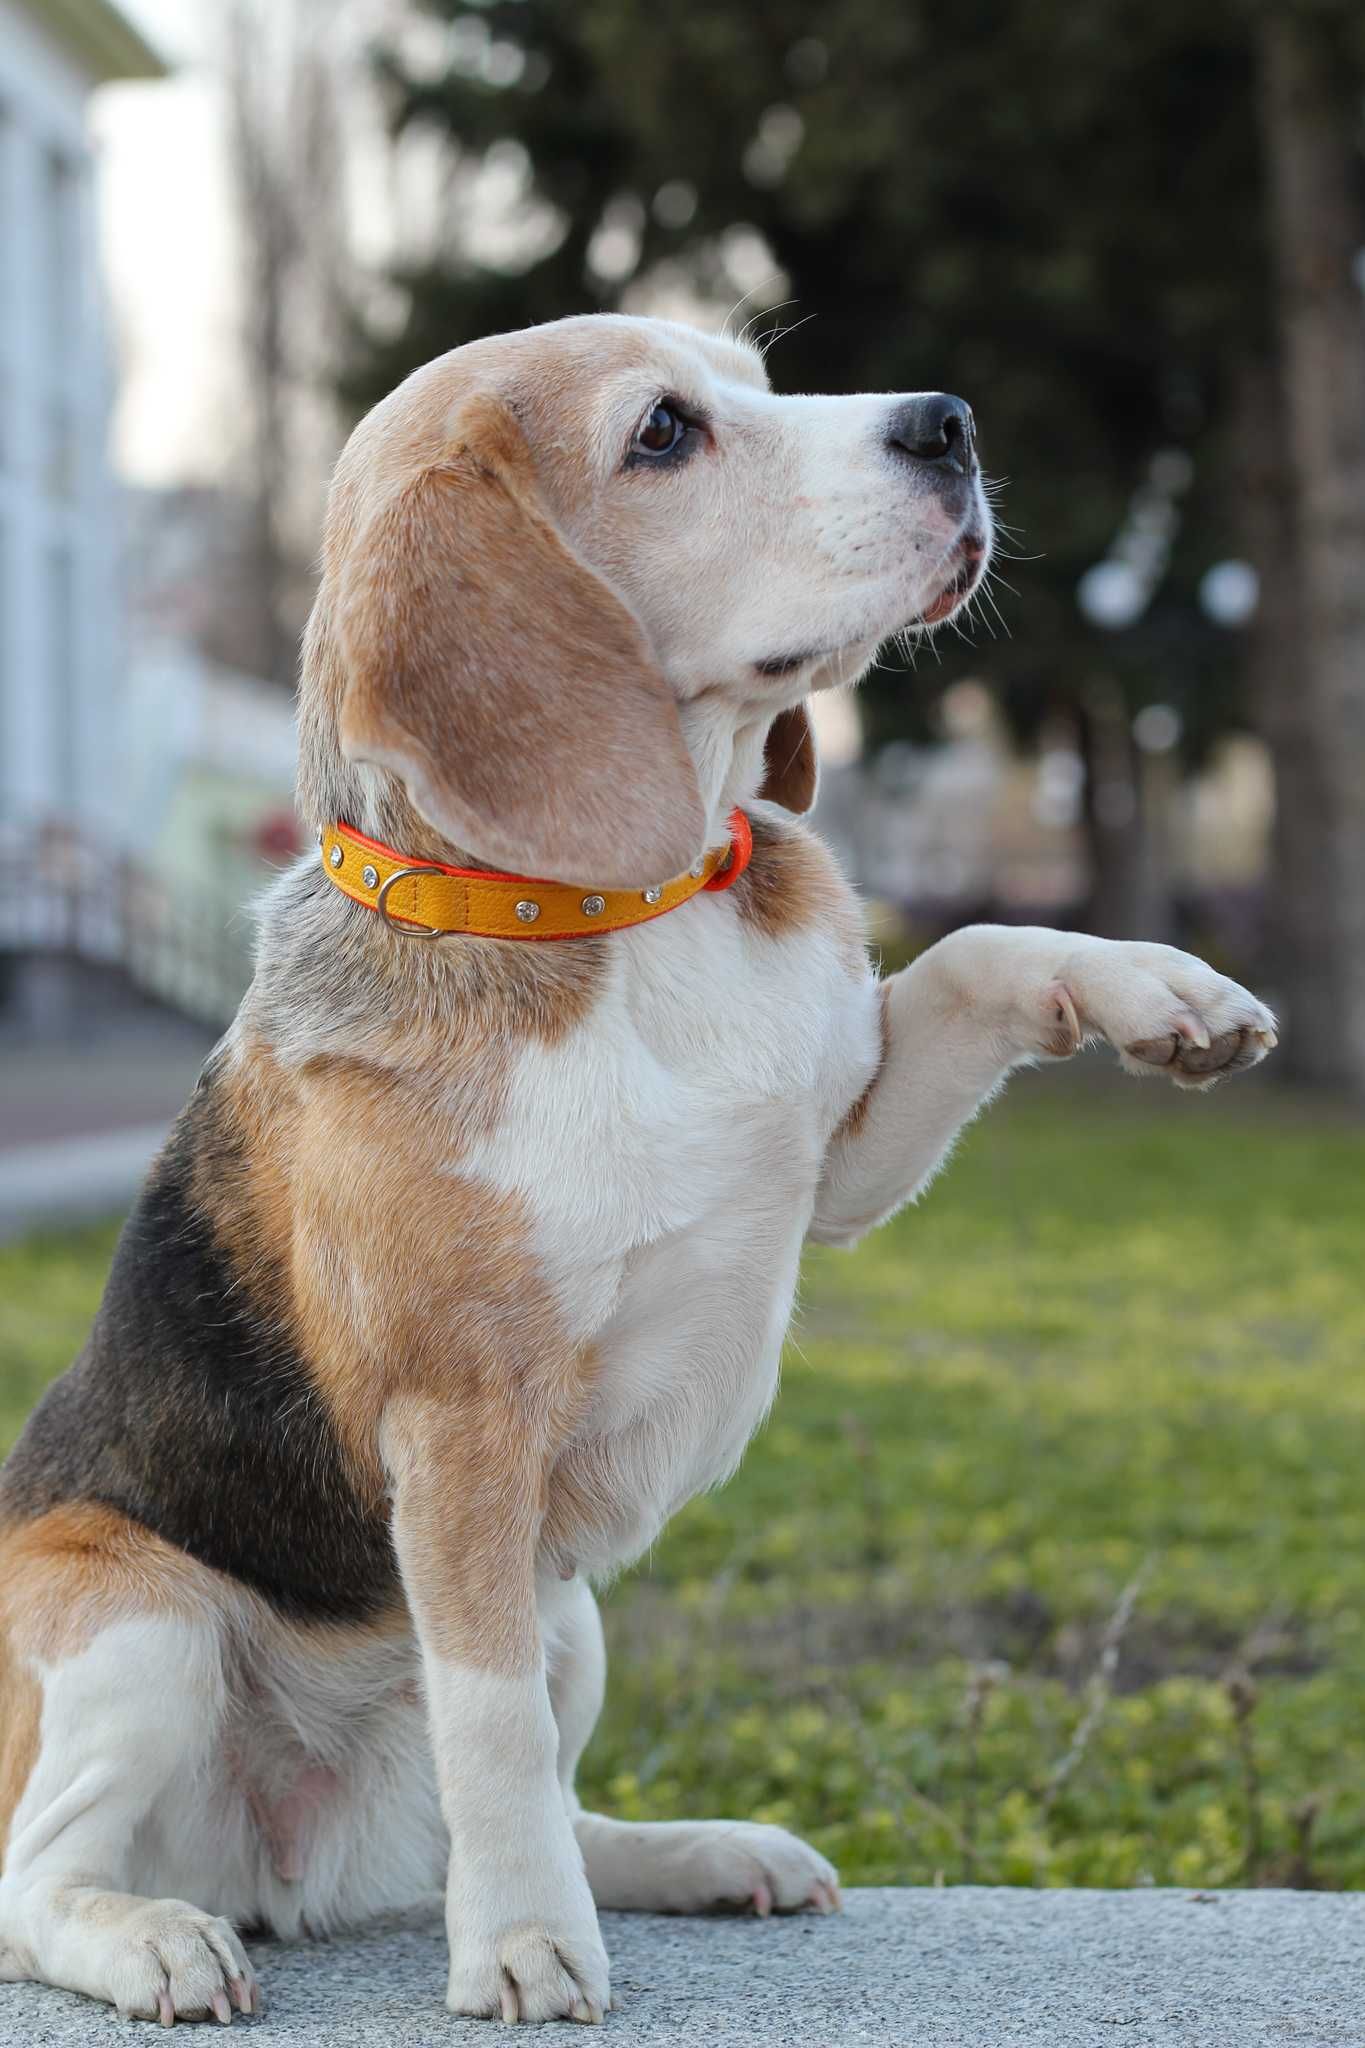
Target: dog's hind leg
(109, 1770)
(675, 1866)
(127, 1733)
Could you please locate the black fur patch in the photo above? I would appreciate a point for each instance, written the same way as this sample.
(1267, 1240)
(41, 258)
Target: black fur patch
(189, 1412)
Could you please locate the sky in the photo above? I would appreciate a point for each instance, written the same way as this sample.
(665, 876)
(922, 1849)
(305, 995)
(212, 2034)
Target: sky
(167, 249)
(171, 258)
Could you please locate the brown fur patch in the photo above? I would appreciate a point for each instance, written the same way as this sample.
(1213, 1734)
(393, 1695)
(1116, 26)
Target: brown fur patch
(69, 1573)
(793, 883)
(405, 1277)
(790, 769)
(239, 1178)
(411, 1292)
(335, 1197)
(470, 1494)
(21, 1703)
(856, 1117)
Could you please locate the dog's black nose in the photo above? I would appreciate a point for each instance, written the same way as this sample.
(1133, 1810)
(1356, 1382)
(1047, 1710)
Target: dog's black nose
(936, 428)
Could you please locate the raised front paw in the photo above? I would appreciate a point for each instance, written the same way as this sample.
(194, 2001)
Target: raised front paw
(530, 1972)
(1163, 1011)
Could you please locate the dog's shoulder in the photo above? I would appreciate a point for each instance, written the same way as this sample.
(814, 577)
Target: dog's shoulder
(332, 979)
(794, 884)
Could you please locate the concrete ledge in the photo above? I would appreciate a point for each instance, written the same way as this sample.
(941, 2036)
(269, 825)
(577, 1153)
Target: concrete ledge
(73, 1180)
(962, 1968)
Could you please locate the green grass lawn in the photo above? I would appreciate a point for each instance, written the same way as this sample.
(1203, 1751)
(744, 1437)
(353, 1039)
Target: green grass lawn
(1050, 1565)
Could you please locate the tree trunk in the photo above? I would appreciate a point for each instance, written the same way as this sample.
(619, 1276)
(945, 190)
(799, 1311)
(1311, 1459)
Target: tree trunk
(1129, 896)
(1317, 232)
(1299, 968)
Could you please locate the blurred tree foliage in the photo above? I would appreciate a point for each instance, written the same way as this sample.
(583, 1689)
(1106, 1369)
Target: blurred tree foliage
(1058, 210)
(984, 198)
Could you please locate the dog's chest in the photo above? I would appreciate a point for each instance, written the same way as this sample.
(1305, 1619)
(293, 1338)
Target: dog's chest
(668, 1153)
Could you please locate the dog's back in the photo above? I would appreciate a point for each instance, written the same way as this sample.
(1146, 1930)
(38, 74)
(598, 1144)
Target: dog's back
(191, 1410)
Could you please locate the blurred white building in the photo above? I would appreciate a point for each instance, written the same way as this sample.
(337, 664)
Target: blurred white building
(61, 625)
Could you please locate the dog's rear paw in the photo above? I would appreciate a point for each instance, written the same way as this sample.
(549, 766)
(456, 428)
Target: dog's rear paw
(735, 1866)
(747, 1866)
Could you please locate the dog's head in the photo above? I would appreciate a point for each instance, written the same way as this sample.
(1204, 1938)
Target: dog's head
(578, 582)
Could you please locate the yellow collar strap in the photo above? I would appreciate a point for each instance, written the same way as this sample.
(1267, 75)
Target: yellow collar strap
(427, 900)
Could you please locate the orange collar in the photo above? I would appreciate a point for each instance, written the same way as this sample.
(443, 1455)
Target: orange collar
(427, 900)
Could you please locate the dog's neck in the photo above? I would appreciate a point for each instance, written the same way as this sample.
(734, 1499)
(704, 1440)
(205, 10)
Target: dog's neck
(725, 739)
(723, 736)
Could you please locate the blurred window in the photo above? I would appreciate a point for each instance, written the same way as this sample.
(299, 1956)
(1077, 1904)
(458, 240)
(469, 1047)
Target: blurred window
(59, 311)
(60, 256)
(8, 309)
(59, 452)
(6, 715)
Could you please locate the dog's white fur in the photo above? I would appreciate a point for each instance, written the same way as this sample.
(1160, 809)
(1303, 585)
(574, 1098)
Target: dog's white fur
(729, 1094)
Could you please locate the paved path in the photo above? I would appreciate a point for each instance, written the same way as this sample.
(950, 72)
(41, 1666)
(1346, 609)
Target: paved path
(82, 1118)
(962, 1968)
(73, 1179)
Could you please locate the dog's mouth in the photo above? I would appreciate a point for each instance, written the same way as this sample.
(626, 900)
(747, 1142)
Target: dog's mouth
(967, 565)
(963, 568)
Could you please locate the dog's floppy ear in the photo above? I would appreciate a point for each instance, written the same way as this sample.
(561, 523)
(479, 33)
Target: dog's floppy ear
(511, 691)
(791, 771)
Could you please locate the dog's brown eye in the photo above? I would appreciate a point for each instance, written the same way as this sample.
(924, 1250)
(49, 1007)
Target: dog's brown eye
(661, 431)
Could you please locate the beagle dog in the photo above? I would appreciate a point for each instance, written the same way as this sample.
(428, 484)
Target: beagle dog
(471, 1257)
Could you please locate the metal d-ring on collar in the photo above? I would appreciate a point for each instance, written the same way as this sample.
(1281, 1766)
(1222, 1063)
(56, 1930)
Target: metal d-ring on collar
(406, 931)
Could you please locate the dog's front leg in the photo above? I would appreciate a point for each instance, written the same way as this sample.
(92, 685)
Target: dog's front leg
(468, 1488)
(994, 997)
